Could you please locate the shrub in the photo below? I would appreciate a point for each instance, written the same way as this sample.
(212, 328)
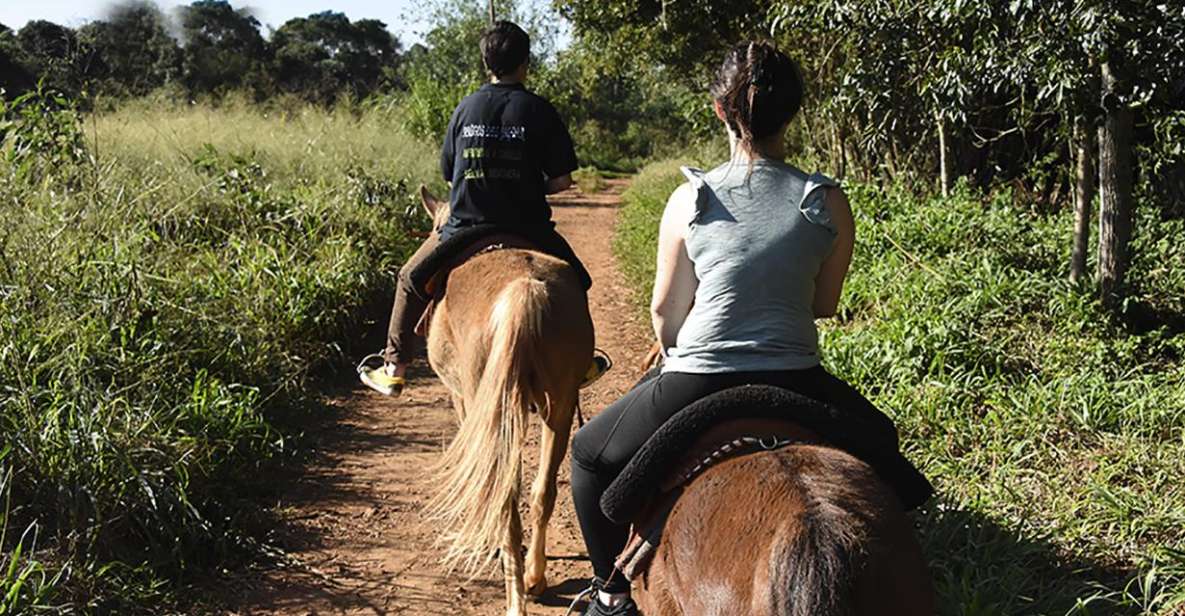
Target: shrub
(40, 133)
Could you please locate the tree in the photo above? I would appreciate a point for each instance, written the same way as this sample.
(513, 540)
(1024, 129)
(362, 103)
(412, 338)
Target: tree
(53, 54)
(999, 87)
(1115, 185)
(324, 55)
(1082, 142)
(223, 47)
(14, 77)
(441, 72)
(134, 53)
(1137, 49)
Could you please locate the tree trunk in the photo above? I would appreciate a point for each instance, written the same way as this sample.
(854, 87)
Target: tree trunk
(493, 17)
(945, 177)
(839, 149)
(1115, 188)
(1082, 145)
(892, 158)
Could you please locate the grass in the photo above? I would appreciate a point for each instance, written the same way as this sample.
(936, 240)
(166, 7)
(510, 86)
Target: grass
(1053, 429)
(168, 289)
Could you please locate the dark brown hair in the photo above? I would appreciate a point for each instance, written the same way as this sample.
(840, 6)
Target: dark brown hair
(759, 88)
(504, 47)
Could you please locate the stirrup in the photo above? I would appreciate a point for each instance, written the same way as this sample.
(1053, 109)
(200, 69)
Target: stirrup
(591, 591)
(601, 363)
(590, 594)
(377, 378)
(362, 365)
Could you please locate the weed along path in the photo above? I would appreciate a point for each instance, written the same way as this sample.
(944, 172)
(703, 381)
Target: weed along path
(353, 533)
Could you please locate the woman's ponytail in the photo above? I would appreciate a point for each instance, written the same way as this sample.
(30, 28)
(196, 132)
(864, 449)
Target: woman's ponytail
(759, 89)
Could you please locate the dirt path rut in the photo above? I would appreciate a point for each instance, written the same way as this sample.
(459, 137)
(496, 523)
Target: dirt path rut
(353, 532)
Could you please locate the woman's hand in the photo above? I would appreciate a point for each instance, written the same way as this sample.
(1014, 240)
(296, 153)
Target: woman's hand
(674, 281)
(829, 281)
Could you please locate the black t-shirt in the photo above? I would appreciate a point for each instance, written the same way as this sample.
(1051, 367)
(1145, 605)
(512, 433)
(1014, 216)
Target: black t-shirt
(502, 143)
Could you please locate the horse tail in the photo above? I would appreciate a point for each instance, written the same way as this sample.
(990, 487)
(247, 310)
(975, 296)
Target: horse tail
(477, 480)
(817, 556)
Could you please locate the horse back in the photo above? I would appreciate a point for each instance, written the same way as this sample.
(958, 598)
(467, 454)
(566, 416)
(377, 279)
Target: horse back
(803, 530)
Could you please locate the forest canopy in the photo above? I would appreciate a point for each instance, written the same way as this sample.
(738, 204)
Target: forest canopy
(1050, 98)
(207, 47)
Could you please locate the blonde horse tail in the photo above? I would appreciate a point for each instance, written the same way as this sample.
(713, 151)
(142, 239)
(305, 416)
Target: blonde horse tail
(477, 480)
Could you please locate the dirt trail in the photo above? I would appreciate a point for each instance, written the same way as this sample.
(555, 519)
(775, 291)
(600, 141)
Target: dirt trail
(352, 525)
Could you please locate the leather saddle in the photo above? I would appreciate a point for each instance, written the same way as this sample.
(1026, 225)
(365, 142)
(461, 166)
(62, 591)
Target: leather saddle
(734, 422)
(461, 244)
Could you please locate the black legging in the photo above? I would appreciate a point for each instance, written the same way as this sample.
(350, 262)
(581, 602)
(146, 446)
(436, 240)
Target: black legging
(603, 447)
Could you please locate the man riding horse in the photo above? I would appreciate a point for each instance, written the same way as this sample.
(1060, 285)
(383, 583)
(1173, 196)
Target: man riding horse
(509, 333)
(505, 149)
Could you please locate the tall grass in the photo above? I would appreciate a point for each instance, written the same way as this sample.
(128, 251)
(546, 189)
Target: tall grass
(1053, 429)
(164, 301)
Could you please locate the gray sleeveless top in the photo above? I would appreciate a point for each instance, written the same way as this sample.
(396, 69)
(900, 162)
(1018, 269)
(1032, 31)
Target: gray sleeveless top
(757, 242)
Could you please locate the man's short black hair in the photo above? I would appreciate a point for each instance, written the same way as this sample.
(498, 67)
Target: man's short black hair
(504, 48)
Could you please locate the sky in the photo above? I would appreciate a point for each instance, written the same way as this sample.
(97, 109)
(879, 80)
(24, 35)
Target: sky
(405, 18)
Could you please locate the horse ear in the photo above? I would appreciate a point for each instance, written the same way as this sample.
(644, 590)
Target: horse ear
(431, 203)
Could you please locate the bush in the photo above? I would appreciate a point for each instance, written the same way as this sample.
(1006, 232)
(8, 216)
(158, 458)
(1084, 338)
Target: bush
(588, 180)
(41, 133)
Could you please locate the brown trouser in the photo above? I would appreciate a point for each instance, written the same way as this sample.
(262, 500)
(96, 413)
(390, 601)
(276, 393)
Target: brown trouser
(402, 342)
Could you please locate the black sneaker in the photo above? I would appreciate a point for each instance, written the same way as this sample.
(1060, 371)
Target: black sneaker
(629, 608)
(594, 608)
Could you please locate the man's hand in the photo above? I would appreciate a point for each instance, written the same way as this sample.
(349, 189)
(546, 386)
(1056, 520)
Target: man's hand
(556, 184)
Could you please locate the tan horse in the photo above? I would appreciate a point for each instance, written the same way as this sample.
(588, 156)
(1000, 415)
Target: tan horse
(802, 531)
(512, 336)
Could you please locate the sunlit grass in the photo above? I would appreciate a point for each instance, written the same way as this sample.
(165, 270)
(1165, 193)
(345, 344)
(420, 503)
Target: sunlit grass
(163, 305)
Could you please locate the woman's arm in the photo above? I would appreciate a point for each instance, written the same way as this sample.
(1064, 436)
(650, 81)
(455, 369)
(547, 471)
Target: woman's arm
(674, 280)
(829, 281)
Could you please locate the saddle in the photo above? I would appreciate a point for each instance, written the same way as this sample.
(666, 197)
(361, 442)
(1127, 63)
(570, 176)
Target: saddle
(459, 246)
(731, 423)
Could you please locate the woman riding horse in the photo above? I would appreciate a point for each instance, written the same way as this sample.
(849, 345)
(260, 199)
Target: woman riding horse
(749, 255)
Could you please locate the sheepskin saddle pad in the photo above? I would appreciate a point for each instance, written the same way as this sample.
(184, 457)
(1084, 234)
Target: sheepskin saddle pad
(740, 421)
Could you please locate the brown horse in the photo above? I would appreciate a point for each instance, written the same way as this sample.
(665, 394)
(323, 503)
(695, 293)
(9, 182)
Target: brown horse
(806, 530)
(511, 336)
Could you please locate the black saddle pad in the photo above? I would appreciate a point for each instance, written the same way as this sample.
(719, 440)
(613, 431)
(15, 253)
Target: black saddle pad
(629, 494)
(545, 237)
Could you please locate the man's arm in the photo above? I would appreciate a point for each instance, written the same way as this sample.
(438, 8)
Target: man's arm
(448, 151)
(557, 154)
(556, 184)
